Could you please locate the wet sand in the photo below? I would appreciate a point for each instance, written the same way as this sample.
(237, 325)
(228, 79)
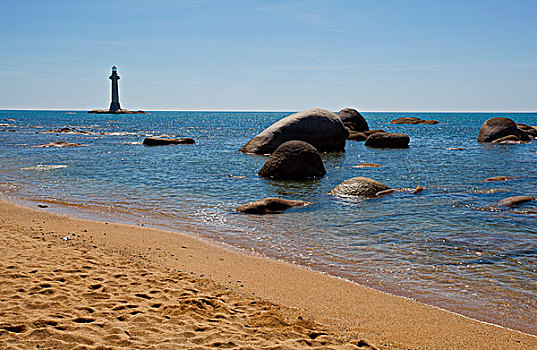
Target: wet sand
(121, 286)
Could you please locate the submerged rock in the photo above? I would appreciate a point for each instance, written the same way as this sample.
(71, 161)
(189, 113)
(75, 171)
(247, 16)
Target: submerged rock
(353, 120)
(531, 131)
(388, 140)
(164, 141)
(359, 186)
(413, 120)
(499, 127)
(68, 131)
(59, 144)
(319, 127)
(269, 205)
(514, 201)
(294, 160)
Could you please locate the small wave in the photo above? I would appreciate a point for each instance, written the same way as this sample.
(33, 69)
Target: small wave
(44, 167)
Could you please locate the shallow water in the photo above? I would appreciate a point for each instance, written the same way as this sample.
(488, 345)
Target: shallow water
(439, 246)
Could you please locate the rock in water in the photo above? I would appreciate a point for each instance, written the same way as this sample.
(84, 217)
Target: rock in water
(353, 120)
(499, 127)
(388, 140)
(528, 130)
(294, 160)
(269, 205)
(163, 141)
(59, 144)
(361, 135)
(413, 120)
(319, 127)
(514, 201)
(359, 186)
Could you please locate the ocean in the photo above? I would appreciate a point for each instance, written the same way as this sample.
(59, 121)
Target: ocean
(444, 246)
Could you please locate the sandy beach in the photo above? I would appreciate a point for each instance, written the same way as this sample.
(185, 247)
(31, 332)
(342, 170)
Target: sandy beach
(113, 286)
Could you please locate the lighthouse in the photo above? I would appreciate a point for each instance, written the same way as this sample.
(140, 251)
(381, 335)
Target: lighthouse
(114, 105)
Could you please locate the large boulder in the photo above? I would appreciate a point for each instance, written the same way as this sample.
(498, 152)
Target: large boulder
(293, 160)
(269, 206)
(359, 186)
(498, 127)
(388, 140)
(353, 120)
(319, 127)
(413, 120)
(164, 141)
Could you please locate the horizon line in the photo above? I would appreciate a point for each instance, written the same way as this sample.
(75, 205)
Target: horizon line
(274, 110)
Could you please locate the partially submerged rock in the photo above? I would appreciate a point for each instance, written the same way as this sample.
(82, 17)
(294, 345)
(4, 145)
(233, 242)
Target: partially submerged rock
(164, 141)
(59, 144)
(362, 135)
(359, 186)
(514, 201)
(531, 131)
(367, 165)
(68, 131)
(388, 140)
(500, 127)
(269, 206)
(413, 120)
(499, 178)
(353, 120)
(319, 127)
(293, 160)
(418, 189)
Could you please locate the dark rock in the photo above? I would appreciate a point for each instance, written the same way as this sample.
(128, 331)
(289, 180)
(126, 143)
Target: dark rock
(514, 201)
(413, 120)
(528, 130)
(353, 120)
(293, 160)
(387, 140)
(269, 205)
(319, 127)
(163, 141)
(59, 144)
(362, 135)
(359, 186)
(498, 127)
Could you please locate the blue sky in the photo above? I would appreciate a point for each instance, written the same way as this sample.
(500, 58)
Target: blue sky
(270, 55)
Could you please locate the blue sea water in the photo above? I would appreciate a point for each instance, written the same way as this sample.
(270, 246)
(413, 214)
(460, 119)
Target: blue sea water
(439, 246)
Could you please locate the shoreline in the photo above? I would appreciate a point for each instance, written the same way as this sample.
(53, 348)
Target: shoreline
(384, 320)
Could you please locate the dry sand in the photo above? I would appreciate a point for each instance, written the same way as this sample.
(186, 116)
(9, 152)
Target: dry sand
(120, 286)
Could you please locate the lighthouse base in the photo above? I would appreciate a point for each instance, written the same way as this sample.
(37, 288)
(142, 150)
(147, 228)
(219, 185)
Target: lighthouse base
(117, 111)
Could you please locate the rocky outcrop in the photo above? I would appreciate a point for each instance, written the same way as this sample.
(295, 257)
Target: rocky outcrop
(362, 135)
(413, 120)
(359, 186)
(319, 127)
(293, 160)
(531, 131)
(59, 144)
(388, 140)
(164, 141)
(269, 206)
(514, 201)
(117, 111)
(500, 127)
(353, 120)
